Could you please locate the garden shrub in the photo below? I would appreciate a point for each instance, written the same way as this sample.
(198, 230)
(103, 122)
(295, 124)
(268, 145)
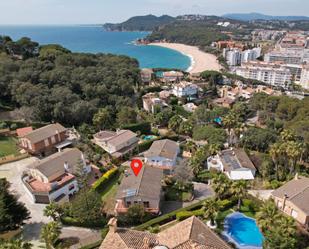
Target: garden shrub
(143, 128)
(100, 184)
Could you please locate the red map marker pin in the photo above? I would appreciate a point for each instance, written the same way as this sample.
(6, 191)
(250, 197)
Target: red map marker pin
(136, 166)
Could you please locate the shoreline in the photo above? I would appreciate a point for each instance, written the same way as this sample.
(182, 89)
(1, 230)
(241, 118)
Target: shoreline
(200, 61)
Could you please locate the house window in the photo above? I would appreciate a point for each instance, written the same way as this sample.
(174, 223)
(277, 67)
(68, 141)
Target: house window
(53, 139)
(71, 187)
(294, 214)
(128, 203)
(46, 142)
(146, 204)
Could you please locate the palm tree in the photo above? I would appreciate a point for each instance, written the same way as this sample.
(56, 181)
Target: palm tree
(211, 208)
(287, 135)
(175, 123)
(268, 216)
(239, 190)
(276, 154)
(53, 210)
(50, 234)
(214, 149)
(230, 121)
(221, 185)
(294, 152)
(191, 146)
(15, 244)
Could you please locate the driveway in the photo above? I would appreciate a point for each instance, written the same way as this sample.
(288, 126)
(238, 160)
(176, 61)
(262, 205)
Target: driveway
(263, 195)
(13, 172)
(81, 236)
(202, 191)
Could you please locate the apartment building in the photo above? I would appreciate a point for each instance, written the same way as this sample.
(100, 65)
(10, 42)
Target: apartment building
(269, 73)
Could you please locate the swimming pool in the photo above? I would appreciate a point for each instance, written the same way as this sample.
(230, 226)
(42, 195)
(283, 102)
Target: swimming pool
(149, 137)
(243, 231)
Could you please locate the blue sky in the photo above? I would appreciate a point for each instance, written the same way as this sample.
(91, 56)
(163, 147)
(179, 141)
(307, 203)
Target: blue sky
(101, 11)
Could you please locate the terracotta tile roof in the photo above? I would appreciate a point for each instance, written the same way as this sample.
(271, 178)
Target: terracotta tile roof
(297, 192)
(188, 234)
(163, 148)
(45, 132)
(21, 132)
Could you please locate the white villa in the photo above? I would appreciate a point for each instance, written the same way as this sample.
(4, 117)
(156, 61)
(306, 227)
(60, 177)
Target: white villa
(162, 154)
(235, 163)
(185, 89)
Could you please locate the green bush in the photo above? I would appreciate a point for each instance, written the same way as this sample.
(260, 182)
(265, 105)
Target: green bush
(144, 146)
(275, 184)
(143, 128)
(182, 215)
(225, 204)
(100, 184)
(169, 217)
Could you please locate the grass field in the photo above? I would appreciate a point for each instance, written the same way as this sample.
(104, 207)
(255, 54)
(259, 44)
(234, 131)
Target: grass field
(8, 146)
(109, 194)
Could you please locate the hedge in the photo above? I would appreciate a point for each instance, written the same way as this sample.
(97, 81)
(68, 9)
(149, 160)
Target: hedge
(144, 146)
(69, 221)
(169, 217)
(100, 184)
(182, 215)
(143, 128)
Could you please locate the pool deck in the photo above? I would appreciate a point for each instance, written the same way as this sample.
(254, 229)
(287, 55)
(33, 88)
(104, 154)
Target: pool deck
(229, 238)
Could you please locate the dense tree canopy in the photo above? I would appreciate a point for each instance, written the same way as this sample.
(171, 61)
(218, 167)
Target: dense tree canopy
(12, 212)
(66, 87)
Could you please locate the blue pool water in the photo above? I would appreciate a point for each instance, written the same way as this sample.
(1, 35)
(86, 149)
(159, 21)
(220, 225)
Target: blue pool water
(243, 230)
(94, 39)
(149, 137)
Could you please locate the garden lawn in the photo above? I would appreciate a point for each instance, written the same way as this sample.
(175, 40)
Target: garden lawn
(109, 193)
(8, 146)
(173, 194)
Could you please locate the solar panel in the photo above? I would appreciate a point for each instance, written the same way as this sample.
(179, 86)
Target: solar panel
(130, 192)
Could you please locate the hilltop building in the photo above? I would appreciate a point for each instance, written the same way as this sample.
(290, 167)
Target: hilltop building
(144, 189)
(235, 163)
(118, 143)
(53, 178)
(293, 199)
(162, 154)
(43, 141)
(187, 234)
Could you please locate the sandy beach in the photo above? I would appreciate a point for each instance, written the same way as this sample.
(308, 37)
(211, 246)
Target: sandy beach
(200, 61)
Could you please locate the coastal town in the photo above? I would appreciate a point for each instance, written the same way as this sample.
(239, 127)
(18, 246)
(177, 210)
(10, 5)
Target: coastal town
(96, 152)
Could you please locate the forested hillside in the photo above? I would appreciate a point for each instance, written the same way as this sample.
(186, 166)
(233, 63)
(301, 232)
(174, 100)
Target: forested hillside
(140, 23)
(51, 83)
(198, 33)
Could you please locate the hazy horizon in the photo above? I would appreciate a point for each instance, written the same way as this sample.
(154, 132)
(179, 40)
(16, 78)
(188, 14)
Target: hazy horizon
(78, 12)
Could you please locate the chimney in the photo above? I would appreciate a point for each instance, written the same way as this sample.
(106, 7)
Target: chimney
(146, 243)
(284, 201)
(66, 166)
(112, 224)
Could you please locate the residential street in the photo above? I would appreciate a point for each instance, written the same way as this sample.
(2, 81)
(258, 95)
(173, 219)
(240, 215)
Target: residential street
(13, 172)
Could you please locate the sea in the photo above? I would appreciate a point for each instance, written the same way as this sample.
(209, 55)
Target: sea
(94, 39)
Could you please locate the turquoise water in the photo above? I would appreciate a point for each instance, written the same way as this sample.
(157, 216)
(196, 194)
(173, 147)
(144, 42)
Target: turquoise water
(243, 230)
(94, 39)
(149, 137)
